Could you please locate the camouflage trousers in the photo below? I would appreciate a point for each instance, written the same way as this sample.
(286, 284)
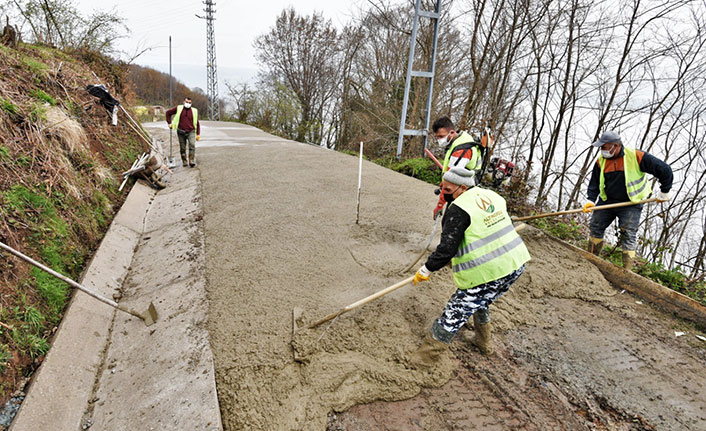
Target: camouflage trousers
(464, 303)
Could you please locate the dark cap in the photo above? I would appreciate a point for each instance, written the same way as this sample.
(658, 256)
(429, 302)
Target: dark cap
(606, 137)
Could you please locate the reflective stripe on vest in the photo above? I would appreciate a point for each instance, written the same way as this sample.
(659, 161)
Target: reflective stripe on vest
(177, 117)
(491, 249)
(464, 138)
(636, 183)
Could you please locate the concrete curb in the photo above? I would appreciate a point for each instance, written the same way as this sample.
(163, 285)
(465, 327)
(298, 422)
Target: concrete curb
(61, 388)
(162, 377)
(106, 370)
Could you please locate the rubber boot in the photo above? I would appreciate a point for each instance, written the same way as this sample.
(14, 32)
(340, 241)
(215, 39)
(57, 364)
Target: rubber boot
(191, 160)
(482, 338)
(595, 245)
(428, 353)
(628, 257)
(183, 159)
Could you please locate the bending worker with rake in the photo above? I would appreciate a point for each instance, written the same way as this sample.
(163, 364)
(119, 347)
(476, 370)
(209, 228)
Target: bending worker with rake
(487, 257)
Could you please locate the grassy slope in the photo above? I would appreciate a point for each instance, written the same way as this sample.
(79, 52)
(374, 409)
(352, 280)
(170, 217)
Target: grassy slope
(58, 189)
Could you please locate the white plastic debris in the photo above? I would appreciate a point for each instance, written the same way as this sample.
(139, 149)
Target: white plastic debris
(679, 334)
(701, 338)
(638, 302)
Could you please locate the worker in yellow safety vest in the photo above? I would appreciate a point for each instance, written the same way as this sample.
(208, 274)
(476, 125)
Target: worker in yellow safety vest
(185, 120)
(486, 254)
(461, 150)
(619, 176)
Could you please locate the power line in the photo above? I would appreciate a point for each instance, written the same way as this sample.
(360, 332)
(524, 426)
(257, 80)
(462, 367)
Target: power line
(214, 109)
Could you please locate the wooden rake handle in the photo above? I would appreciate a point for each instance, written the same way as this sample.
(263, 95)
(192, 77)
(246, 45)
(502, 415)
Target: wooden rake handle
(365, 300)
(61, 277)
(578, 210)
(69, 281)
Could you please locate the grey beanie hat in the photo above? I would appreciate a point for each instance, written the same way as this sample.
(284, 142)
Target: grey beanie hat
(606, 137)
(460, 176)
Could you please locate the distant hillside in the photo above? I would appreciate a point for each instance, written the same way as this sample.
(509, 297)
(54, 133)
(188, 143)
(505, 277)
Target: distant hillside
(152, 88)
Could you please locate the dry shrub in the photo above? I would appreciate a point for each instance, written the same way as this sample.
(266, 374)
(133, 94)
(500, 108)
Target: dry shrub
(68, 131)
(102, 173)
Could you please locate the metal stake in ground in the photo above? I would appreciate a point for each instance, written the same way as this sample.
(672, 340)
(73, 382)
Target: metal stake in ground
(149, 316)
(360, 177)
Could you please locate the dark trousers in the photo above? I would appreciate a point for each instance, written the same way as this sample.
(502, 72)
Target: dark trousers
(628, 222)
(187, 138)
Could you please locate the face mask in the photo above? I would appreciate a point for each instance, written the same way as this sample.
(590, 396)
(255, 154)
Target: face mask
(449, 197)
(606, 154)
(443, 141)
(187, 105)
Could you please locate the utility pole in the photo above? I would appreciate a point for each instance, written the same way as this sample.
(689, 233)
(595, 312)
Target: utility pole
(214, 109)
(171, 158)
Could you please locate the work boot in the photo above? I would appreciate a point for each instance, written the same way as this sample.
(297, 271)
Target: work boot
(482, 337)
(628, 257)
(191, 160)
(595, 245)
(428, 353)
(183, 160)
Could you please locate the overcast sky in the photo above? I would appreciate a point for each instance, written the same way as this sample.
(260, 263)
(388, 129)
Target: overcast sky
(237, 25)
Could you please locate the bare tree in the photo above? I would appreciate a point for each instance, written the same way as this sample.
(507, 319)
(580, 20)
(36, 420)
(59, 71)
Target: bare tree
(244, 99)
(59, 23)
(303, 52)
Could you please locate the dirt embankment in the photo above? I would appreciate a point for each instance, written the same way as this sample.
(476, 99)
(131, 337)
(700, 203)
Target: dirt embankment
(59, 175)
(279, 222)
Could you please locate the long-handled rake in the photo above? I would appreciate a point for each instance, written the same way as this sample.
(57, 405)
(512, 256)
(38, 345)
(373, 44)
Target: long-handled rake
(149, 316)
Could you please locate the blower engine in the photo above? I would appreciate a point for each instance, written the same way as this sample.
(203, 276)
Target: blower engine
(499, 172)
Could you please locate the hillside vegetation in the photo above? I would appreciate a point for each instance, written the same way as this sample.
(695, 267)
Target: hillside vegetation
(152, 88)
(60, 161)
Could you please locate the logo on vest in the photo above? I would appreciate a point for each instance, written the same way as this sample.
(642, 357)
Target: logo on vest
(485, 204)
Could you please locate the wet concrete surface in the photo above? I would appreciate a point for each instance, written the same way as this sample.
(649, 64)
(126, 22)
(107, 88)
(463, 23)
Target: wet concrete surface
(573, 353)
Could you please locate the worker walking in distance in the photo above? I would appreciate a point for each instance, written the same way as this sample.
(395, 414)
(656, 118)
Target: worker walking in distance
(185, 120)
(487, 257)
(462, 150)
(619, 176)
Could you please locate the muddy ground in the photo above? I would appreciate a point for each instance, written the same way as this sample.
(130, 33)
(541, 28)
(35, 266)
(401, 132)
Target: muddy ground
(280, 232)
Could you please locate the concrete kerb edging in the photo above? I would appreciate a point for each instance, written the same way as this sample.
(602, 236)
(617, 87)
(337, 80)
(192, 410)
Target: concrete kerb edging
(661, 296)
(61, 387)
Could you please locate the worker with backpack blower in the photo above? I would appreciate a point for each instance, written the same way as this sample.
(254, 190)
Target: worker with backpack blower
(461, 150)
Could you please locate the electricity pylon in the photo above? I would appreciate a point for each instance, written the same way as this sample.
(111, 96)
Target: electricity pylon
(214, 108)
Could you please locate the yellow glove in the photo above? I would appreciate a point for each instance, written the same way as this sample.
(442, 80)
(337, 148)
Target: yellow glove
(422, 274)
(198, 137)
(587, 206)
(662, 197)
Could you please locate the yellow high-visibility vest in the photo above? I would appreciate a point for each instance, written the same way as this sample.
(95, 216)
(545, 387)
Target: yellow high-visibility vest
(491, 248)
(636, 183)
(177, 116)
